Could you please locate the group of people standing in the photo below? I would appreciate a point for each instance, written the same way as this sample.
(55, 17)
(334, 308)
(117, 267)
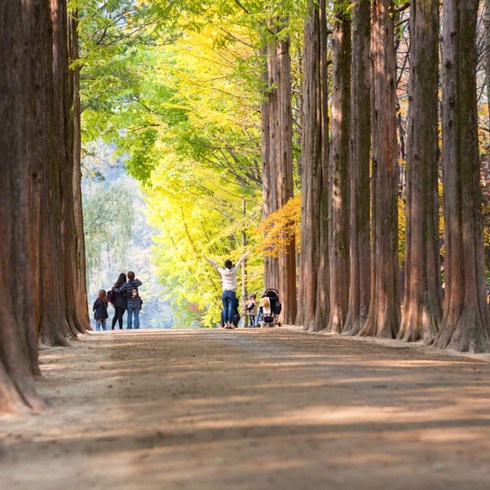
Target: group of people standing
(123, 296)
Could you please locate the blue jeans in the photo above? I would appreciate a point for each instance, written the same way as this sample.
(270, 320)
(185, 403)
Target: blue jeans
(134, 310)
(101, 323)
(229, 300)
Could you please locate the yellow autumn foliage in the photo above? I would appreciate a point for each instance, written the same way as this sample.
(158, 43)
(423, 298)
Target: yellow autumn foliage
(280, 227)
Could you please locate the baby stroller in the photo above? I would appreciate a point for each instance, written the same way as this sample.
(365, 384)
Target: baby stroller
(269, 308)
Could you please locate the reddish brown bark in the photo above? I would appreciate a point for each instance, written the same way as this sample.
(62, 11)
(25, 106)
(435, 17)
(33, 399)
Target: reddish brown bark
(311, 153)
(422, 309)
(359, 202)
(284, 180)
(465, 324)
(269, 154)
(25, 58)
(323, 292)
(278, 168)
(384, 311)
(313, 295)
(339, 171)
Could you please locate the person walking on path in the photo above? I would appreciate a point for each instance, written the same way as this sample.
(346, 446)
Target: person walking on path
(228, 276)
(100, 311)
(119, 302)
(130, 291)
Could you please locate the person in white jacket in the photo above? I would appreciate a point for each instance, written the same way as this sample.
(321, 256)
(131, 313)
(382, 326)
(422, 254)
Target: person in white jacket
(228, 276)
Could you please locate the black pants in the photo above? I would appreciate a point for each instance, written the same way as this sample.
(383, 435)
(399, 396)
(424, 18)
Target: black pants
(118, 317)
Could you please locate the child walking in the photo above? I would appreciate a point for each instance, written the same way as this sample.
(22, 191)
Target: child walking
(100, 310)
(251, 309)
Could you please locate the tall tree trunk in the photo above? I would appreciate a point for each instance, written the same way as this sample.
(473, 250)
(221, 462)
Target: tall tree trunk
(422, 303)
(270, 115)
(311, 154)
(487, 56)
(265, 114)
(278, 168)
(25, 47)
(360, 195)
(384, 311)
(339, 171)
(56, 220)
(284, 179)
(73, 230)
(465, 324)
(322, 289)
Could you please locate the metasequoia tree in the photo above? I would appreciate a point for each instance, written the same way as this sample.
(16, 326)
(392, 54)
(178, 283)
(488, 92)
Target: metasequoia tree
(268, 114)
(339, 169)
(465, 323)
(421, 305)
(360, 152)
(73, 238)
(284, 178)
(313, 284)
(278, 168)
(384, 309)
(487, 56)
(25, 48)
(313, 119)
(322, 289)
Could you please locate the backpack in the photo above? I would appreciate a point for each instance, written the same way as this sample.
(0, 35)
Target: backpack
(110, 296)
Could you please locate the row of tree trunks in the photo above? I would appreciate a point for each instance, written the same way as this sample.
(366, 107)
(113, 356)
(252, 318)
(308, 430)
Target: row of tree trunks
(384, 310)
(277, 137)
(35, 148)
(339, 170)
(422, 302)
(360, 156)
(465, 324)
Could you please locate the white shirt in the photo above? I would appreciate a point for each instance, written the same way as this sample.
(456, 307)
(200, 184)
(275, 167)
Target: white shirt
(228, 276)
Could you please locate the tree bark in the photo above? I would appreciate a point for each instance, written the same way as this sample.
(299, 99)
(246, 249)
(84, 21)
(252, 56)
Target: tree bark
(339, 171)
(360, 195)
(58, 318)
(284, 180)
(384, 311)
(313, 295)
(465, 324)
(73, 232)
(270, 114)
(487, 56)
(278, 168)
(311, 154)
(25, 45)
(422, 302)
(323, 291)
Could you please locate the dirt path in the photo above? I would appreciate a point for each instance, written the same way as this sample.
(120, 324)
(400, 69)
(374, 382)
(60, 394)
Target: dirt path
(250, 409)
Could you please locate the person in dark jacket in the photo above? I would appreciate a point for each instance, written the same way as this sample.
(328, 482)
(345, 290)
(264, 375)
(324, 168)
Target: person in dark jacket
(120, 303)
(130, 291)
(100, 310)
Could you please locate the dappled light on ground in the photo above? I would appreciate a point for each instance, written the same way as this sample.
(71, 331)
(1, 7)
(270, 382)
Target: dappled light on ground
(199, 409)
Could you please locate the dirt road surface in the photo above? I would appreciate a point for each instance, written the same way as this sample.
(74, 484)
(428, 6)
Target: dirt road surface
(250, 409)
